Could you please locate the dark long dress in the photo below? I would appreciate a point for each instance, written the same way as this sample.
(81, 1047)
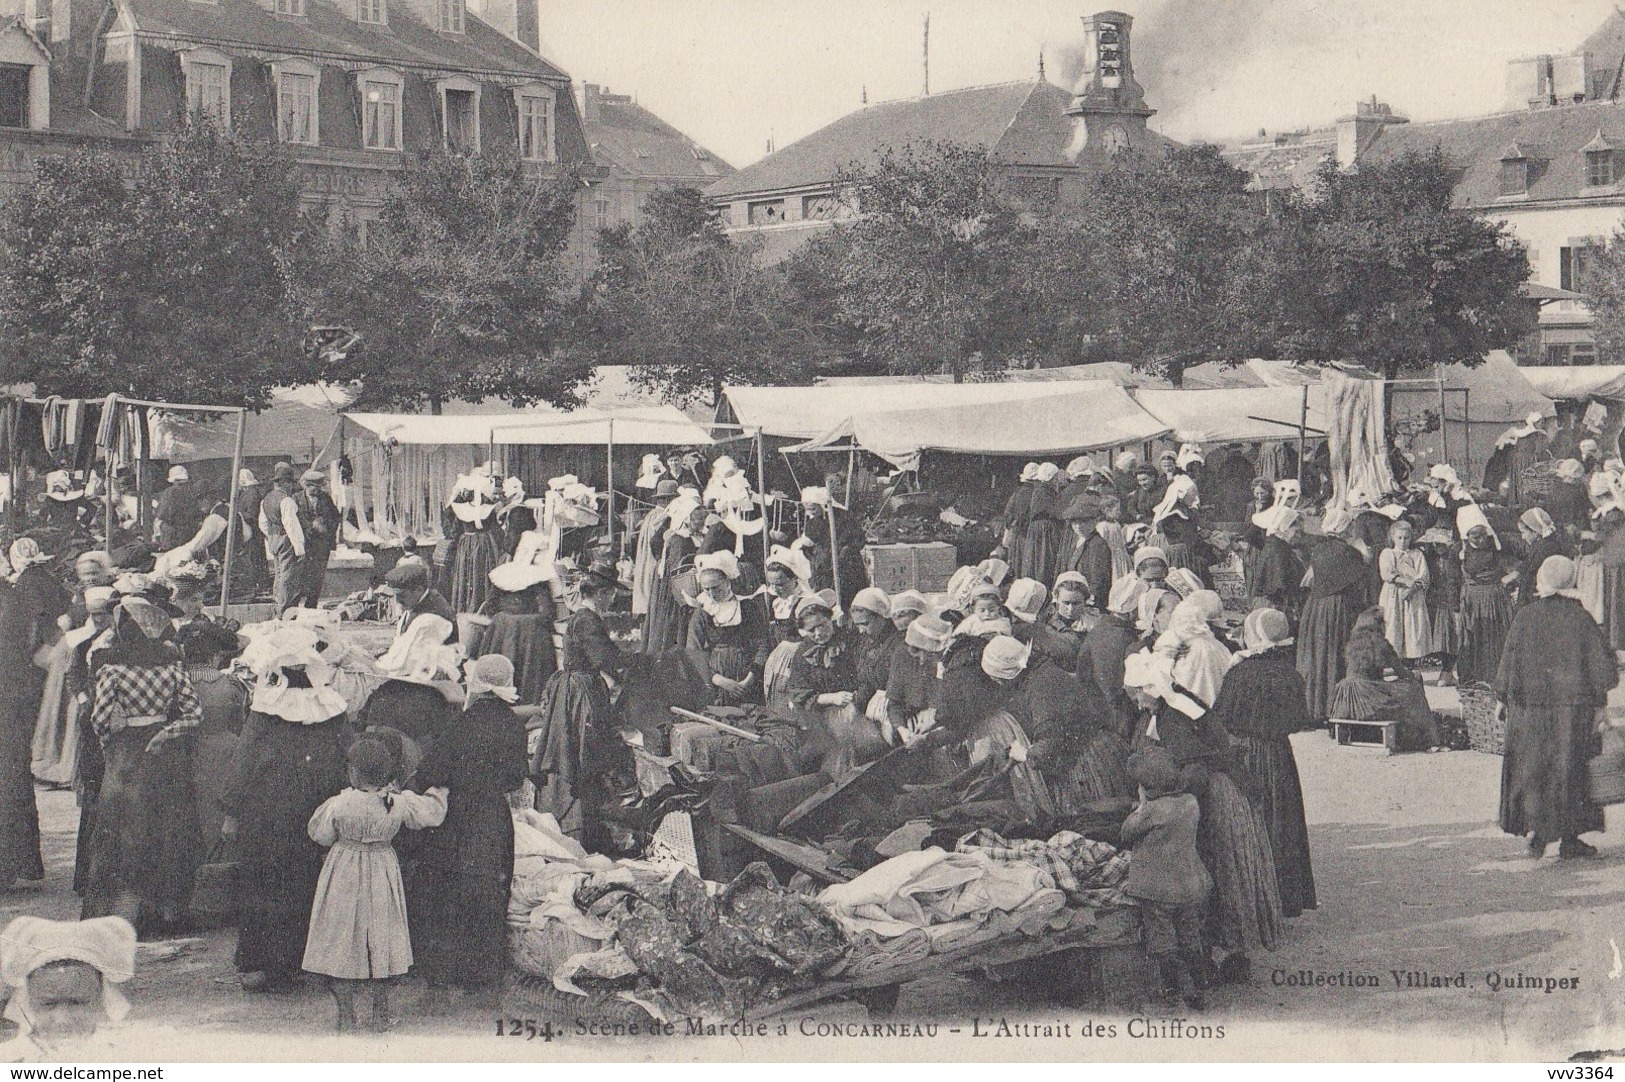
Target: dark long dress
(1612, 551)
(1094, 562)
(1276, 575)
(19, 713)
(1260, 705)
(1105, 648)
(476, 548)
(666, 627)
(1486, 614)
(282, 774)
(735, 652)
(463, 868)
(1556, 671)
(1018, 514)
(1046, 545)
(1337, 595)
(526, 639)
(1232, 837)
(577, 749)
(1364, 695)
(1084, 760)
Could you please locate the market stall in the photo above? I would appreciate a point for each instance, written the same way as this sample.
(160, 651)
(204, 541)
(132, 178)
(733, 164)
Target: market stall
(406, 464)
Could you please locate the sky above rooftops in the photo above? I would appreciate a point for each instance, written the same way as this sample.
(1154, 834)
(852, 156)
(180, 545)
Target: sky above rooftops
(733, 73)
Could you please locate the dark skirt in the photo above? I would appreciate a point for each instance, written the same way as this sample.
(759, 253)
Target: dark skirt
(1279, 795)
(571, 758)
(1183, 554)
(1545, 788)
(468, 572)
(146, 844)
(735, 664)
(87, 792)
(1486, 614)
(461, 873)
(527, 641)
(1323, 633)
(1043, 550)
(1359, 698)
(19, 816)
(666, 627)
(1613, 605)
(1235, 846)
(1100, 774)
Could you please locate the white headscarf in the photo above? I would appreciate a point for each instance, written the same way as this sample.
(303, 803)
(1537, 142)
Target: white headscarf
(1200, 669)
(1556, 577)
(491, 674)
(1470, 515)
(107, 944)
(1180, 495)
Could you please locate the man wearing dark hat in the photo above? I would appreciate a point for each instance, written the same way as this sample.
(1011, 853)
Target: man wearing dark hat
(321, 519)
(412, 589)
(284, 534)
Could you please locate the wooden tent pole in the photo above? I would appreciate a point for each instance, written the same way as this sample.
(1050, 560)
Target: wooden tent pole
(231, 515)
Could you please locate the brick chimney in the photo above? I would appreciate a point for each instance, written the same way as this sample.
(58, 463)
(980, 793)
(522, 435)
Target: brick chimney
(1356, 133)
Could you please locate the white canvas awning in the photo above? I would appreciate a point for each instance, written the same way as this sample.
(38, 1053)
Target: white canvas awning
(1236, 415)
(809, 412)
(1599, 381)
(647, 425)
(1068, 418)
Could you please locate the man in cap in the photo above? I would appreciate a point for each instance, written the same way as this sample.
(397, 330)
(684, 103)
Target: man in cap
(284, 533)
(179, 513)
(417, 597)
(321, 519)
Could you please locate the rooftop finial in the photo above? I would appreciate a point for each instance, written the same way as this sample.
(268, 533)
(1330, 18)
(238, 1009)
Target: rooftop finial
(1040, 65)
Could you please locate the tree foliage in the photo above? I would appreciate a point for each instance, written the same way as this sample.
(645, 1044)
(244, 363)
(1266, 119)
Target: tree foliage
(1602, 280)
(171, 283)
(459, 290)
(688, 309)
(1163, 263)
(930, 275)
(1380, 267)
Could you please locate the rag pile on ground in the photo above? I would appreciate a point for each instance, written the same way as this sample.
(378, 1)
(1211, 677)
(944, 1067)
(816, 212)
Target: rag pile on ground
(655, 934)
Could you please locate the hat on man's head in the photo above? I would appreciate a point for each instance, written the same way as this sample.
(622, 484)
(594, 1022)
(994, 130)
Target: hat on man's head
(313, 475)
(178, 474)
(412, 576)
(282, 471)
(665, 489)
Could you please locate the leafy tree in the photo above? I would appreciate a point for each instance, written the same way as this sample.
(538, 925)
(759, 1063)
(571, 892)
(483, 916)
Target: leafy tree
(170, 285)
(929, 277)
(1381, 268)
(1163, 263)
(1602, 280)
(688, 309)
(459, 289)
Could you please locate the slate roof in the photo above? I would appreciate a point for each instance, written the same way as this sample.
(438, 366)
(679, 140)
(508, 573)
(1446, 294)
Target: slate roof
(1023, 123)
(1607, 48)
(1288, 164)
(634, 140)
(1558, 134)
(326, 30)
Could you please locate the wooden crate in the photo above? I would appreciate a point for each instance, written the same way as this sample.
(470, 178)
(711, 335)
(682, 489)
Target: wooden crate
(924, 567)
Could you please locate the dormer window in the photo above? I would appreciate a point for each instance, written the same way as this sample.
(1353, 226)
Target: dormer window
(534, 105)
(1599, 155)
(452, 13)
(460, 114)
(370, 11)
(290, 7)
(208, 84)
(380, 108)
(1515, 176)
(297, 82)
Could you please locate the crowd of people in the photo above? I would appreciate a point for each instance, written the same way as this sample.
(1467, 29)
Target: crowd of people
(1089, 663)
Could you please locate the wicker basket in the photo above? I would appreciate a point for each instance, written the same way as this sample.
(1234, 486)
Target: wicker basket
(1536, 482)
(1231, 586)
(1608, 770)
(1485, 720)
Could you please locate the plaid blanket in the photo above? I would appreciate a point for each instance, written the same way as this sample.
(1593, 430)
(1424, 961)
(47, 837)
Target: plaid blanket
(1090, 872)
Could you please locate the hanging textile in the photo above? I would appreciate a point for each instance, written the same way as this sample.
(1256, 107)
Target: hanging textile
(1357, 439)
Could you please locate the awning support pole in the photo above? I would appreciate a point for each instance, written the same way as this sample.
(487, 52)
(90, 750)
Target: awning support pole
(1303, 427)
(761, 493)
(231, 522)
(609, 455)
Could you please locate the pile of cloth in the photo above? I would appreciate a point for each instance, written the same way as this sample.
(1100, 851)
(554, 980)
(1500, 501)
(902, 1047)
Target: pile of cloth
(655, 934)
(932, 901)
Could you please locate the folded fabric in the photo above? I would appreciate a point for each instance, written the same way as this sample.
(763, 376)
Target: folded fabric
(1077, 864)
(609, 964)
(919, 889)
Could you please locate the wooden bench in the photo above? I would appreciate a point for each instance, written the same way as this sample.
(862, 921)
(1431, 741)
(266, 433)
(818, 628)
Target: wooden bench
(1366, 734)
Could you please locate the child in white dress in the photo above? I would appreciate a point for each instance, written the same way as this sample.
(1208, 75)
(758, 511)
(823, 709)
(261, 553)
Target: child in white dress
(358, 932)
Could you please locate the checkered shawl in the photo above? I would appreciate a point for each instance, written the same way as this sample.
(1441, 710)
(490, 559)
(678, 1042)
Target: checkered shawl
(128, 691)
(1091, 873)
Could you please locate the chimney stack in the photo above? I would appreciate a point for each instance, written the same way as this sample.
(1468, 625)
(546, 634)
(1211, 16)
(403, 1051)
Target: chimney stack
(1356, 133)
(519, 19)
